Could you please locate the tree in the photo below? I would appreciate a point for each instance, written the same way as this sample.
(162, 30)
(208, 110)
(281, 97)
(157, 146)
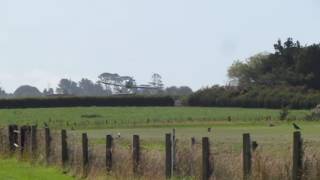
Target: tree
(2, 93)
(48, 92)
(178, 91)
(68, 87)
(27, 91)
(290, 65)
(156, 81)
(88, 88)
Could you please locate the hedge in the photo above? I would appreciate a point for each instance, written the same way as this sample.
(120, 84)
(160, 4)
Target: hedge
(85, 102)
(256, 97)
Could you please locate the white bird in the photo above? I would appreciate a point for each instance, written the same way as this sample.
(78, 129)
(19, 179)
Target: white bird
(119, 135)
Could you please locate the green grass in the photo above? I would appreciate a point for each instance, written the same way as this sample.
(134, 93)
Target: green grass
(151, 123)
(128, 117)
(11, 169)
(277, 137)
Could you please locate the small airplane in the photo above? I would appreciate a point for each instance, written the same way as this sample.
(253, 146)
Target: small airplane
(129, 85)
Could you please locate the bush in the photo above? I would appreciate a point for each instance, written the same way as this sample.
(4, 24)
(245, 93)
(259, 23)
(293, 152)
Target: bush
(256, 97)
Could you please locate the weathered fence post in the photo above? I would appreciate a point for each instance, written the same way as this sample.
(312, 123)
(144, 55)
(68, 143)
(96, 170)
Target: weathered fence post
(22, 139)
(297, 163)
(168, 168)
(193, 142)
(64, 148)
(206, 168)
(246, 156)
(109, 153)
(85, 154)
(136, 154)
(13, 137)
(173, 152)
(28, 141)
(33, 139)
(47, 139)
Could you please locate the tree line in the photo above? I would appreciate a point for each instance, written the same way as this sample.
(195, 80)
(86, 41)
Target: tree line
(288, 77)
(87, 87)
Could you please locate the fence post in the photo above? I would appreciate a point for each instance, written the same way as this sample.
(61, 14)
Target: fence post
(109, 152)
(297, 156)
(28, 141)
(85, 154)
(173, 152)
(246, 156)
(193, 142)
(136, 154)
(22, 140)
(168, 162)
(13, 137)
(64, 148)
(206, 169)
(47, 147)
(33, 139)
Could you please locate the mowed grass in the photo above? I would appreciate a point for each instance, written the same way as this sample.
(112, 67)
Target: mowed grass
(129, 117)
(11, 169)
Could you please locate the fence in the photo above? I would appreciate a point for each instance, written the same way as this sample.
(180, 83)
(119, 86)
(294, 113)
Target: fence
(27, 142)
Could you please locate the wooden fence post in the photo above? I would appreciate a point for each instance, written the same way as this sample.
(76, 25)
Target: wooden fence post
(168, 161)
(173, 152)
(64, 148)
(13, 137)
(297, 163)
(109, 142)
(33, 139)
(206, 168)
(246, 156)
(47, 139)
(193, 142)
(85, 154)
(136, 154)
(22, 139)
(28, 141)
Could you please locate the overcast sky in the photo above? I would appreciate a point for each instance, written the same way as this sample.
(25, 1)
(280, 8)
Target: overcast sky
(188, 42)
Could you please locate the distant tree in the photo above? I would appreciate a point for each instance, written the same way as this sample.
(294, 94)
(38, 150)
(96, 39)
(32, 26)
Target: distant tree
(68, 87)
(156, 81)
(27, 91)
(48, 92)
(88, 88)
(2, 93)
(178, 91)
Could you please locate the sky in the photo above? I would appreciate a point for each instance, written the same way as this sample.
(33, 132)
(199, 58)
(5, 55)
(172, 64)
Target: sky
(188, 42)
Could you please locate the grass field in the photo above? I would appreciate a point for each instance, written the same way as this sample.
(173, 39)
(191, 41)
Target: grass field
(130, 117)
(11, 169)
(151, 123)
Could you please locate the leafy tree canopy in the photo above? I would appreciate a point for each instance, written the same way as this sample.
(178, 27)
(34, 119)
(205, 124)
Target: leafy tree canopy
(291, 64)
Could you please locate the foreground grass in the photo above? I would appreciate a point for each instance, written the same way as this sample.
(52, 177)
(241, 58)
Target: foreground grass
(11, 169)
(128, 117)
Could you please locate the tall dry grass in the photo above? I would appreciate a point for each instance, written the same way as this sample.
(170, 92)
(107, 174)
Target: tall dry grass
(226, 162)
